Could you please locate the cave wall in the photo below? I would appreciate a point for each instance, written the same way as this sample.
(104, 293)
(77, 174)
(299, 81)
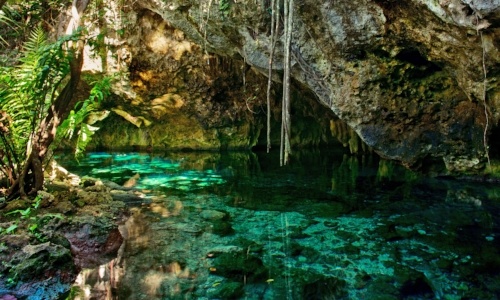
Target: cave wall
(407, 76)
(174, 95)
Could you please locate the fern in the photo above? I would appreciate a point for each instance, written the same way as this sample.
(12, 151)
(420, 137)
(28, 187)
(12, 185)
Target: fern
(28, 90)
(6, 20)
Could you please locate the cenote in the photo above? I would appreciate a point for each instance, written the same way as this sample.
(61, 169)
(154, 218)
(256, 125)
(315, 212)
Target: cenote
(236, 225)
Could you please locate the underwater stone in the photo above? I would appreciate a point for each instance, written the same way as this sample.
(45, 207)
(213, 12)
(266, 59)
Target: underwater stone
(227, 290)
(187, 227)
(417, 289)
(222, 228)
(414, 284)
(327, 288)
(212, 215)
(239, 265)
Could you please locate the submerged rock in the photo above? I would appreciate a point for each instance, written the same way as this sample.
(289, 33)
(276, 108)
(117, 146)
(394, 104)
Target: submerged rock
(328, 288)
(227, 290)
(238, 266)
(213, 215)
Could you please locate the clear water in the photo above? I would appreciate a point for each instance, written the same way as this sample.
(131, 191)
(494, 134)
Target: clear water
(328, 226)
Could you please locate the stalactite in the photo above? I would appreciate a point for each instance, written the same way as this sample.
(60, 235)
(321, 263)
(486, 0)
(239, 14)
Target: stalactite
(348, 137)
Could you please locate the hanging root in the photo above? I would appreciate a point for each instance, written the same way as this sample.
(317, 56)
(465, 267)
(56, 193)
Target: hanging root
(485, 83)
(285, 146)
(274, 36)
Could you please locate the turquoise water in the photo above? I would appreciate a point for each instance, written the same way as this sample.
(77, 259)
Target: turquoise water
(236, 225)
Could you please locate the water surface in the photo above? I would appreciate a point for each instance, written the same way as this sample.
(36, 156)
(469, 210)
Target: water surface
(236, 225)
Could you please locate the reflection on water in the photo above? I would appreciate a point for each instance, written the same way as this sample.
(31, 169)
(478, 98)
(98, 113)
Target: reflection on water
(328, 226)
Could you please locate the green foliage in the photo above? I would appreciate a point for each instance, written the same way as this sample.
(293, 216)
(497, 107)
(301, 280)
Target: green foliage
(224, 7)
(29, 88)
(26, 93)
(23, 16)
(7, 23)
(12, 280)
(74, 293)
(11, 229)
(25, 213)
(28, 220)
(76, 121)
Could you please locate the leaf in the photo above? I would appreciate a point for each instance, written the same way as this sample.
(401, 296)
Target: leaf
(33, 227)
(51, 215)
(37, 202)
(23, 212)
(27, 91)
(11, 229)
(84, 137)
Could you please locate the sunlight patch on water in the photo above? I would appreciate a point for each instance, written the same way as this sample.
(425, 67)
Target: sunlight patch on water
(186, 181)
(149, 172)
(338, 228)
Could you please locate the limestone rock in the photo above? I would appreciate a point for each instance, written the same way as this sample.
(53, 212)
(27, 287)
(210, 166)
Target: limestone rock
(407, 77)
(416, 80)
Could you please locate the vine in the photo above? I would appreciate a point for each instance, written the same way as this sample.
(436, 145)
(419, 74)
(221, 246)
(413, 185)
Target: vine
(285, 147)
(483, 96)
(275, 12)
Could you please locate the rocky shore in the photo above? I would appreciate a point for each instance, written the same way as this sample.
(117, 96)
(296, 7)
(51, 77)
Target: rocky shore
(45, 242)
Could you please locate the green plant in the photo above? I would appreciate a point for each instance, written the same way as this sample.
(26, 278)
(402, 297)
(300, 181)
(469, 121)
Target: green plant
(74, 293)
(11, 228)
(34, 231)
(38, 100)
(7, 21)
(25, 213)
(35, 222)
(224, 8)
(38, 223)
(76, 121)
(12, 280)
(27, 93)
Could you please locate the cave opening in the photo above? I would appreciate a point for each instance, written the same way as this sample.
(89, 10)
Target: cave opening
(494, 142)
(423, 67)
